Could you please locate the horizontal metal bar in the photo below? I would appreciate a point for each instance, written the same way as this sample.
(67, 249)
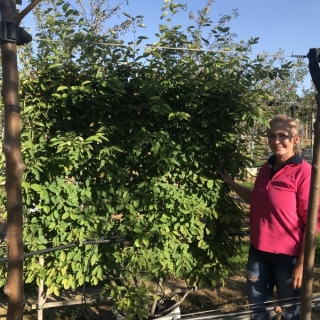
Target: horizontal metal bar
(240, 314)
(47, 305)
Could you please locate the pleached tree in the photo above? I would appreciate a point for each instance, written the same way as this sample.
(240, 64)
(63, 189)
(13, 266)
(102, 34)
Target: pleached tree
(121, 142)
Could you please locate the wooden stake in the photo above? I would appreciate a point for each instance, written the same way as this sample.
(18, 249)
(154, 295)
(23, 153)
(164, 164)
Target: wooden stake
(310, 243)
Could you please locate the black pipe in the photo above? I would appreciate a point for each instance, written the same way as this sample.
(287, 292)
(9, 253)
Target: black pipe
(86, 242)
(70, 245)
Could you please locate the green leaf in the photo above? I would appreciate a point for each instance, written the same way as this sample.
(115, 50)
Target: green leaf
(62, 257)
(85, 82)
(61, 88)
(145, 241)
(94, 259)
(210, 184)
(54, 65)
(93, 138)
(137, 242)
(36, 187)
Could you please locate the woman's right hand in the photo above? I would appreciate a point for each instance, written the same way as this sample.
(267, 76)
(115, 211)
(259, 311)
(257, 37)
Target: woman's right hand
(225, 176)
(242, 192)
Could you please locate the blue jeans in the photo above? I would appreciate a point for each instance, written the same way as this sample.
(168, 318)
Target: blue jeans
(266, 270)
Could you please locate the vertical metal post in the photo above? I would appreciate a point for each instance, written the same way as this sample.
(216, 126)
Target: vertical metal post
(42, 296)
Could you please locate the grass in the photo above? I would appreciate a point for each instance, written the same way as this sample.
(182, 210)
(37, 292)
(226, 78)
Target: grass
(247, 184)
(239, 262)
(317, 253)
(259, 163)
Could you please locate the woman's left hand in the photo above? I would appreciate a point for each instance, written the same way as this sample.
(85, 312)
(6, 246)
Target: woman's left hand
(296, 276)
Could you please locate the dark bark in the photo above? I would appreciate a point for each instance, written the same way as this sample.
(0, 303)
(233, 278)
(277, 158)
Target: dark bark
(310, 244)
(14, 167)
(14, 288)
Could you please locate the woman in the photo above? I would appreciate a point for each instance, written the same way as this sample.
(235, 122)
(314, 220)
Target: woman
(278, 213)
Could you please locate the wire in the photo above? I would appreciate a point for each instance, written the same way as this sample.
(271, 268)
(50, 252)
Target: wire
(289, 302)
(170, 48)
(298, 56)
(238, 314)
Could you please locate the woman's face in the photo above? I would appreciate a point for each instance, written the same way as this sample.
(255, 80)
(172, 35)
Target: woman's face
(282, 139)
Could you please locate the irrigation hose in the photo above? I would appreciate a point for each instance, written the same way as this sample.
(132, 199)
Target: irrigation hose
(70, 245)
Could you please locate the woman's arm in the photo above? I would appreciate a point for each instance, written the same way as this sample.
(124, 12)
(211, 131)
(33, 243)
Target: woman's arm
(242, 192)
(297, 272)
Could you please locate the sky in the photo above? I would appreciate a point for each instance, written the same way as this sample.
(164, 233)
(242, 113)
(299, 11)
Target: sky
(288, 24)
(291, 25)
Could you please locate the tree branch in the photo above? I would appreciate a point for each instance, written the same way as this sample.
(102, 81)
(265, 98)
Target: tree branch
(25, 11)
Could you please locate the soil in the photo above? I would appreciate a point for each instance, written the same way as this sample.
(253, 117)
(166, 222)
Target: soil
(232, 298)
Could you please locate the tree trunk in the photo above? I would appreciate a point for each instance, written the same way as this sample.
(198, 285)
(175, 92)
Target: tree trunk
(14, 168)
(310, 245)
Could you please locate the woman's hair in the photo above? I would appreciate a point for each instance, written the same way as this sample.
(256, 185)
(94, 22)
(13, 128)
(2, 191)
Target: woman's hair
(294, 126)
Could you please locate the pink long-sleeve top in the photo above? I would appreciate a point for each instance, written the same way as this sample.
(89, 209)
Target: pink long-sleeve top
(279, 205)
